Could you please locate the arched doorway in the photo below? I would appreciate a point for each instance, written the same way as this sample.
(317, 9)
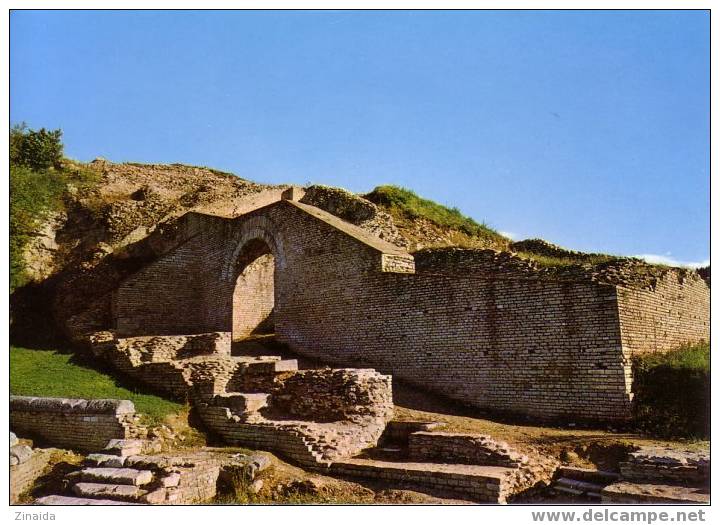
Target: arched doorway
(253, 298)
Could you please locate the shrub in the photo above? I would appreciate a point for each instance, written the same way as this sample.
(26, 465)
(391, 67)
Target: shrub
(672, 392)
(38, 150)
(32, 195)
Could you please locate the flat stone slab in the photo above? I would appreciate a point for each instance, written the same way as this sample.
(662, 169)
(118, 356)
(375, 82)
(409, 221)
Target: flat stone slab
(484, 483)
(493, 475)
(627, 492)
(105, 460)
(669, 456)
(124, 447)
(119, 476)
(69, 500)
(107, 490)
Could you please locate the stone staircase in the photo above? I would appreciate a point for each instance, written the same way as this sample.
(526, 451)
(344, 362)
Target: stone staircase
(123, 475)
(260, 400)
(106, 481)
(468, 466)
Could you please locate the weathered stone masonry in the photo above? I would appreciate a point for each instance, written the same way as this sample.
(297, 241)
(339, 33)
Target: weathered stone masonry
(74, 423)
(492, 334)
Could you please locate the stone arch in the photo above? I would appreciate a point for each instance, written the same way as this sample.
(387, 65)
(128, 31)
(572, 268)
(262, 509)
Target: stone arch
(255, 253)
(254, 228)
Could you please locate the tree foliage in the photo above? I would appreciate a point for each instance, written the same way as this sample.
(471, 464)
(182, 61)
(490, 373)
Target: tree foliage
(38, 150)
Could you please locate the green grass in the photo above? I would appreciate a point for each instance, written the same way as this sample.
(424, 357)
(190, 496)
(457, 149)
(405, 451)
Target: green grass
(47, 373)
(548, 261)
(687, 357)
(672, 392)
(404, 202)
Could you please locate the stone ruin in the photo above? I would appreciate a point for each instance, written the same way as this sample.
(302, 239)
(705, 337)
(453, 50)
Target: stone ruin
(333, 281)
(265, 402)
(485, 328)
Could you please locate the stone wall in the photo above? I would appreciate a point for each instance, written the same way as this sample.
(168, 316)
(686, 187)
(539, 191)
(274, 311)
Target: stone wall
(334, 394)
(665, 465)
(73, 423)
(469, 449)
(26, 466)
(485, 328)
(661, 317)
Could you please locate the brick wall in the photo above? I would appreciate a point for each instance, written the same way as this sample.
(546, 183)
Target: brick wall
(497, 334)
(72, 423)
(674, 311)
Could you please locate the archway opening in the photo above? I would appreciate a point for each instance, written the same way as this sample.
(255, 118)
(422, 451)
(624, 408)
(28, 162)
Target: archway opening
(254, 294)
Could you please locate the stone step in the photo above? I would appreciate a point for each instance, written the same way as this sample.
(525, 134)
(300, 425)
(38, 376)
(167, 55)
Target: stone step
(270, 367)
(105, 460)
(601, 477)
(124, 447)
(108, 490)
(69, 500)
(120, 476)
(583, 486)
(567, 490)
(241, 403)
(480, 483)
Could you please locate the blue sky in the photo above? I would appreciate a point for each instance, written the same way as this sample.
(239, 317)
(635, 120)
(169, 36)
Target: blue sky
(588, 129)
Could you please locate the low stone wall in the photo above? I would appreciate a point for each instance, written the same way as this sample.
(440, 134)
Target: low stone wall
(479, 483)
(79, 424)
(335, 394)
(656, 465)
(155, 349)
(398, 432)
(528, 471)
(26, 465)
(469, 449)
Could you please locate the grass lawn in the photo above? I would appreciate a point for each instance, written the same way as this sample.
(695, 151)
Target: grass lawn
(47, 373)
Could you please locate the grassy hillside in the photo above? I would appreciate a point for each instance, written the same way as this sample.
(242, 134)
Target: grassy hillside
(46, 373)
(406, 204)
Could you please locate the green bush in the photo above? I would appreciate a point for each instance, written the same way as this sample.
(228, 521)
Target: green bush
(672, 392)
(32, 195)
(37, 150)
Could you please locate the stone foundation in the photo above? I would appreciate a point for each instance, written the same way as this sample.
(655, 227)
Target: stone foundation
(664, 465)
(310, 416)
(470, 449)
(78, 424)
(26, 466)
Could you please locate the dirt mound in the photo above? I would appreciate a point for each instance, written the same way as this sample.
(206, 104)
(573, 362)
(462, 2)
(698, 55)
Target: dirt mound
(83, 251)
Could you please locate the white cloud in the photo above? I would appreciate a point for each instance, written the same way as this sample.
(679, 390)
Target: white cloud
(509, 235)
(664, 259)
